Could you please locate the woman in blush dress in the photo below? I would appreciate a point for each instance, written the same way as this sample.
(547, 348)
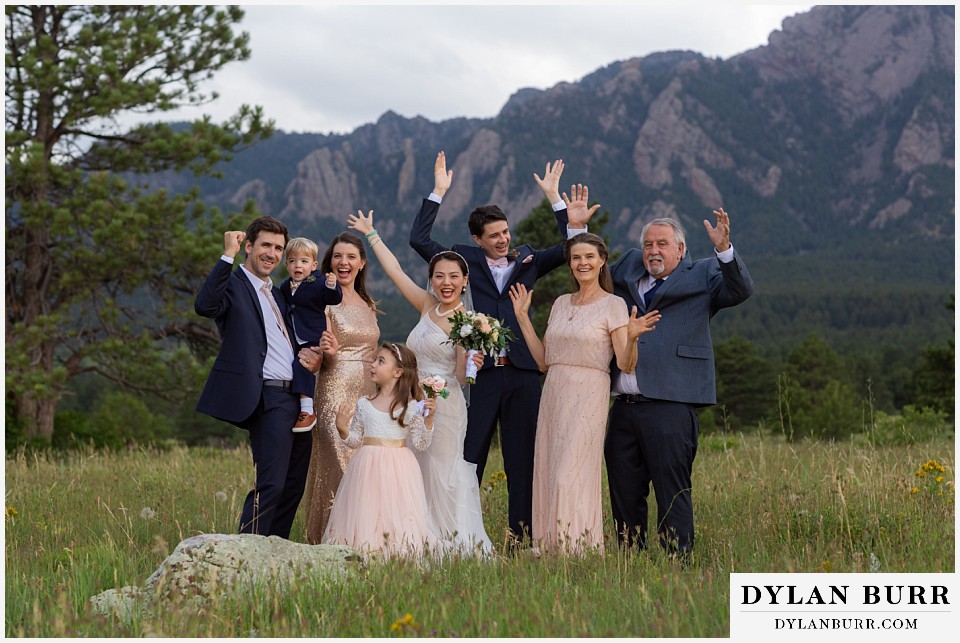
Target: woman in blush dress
(585, 331)
(450, 482)
(342, 379)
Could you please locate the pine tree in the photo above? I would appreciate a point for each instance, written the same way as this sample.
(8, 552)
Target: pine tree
(101, 267)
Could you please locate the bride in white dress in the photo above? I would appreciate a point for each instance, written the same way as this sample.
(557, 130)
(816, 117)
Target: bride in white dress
(450, 482)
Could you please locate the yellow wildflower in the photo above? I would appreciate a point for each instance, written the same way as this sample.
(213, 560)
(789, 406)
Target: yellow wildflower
(11, 512)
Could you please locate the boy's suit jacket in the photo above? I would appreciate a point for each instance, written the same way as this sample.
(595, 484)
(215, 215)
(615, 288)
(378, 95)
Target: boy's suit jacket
(307, 308)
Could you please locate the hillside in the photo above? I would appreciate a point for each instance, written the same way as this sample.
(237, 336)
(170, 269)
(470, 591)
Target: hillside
(832, 147)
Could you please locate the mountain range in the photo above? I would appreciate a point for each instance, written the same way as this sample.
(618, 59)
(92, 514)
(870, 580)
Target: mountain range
(832, 148)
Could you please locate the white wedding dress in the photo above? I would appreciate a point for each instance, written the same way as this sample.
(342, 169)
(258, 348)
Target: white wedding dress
(450, 482)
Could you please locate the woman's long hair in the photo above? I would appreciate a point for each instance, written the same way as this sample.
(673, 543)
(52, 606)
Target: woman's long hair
(408, 386)
(360, 281)
(606, 281)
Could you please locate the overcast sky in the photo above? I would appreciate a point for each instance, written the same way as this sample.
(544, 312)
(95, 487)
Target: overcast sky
(333, 68)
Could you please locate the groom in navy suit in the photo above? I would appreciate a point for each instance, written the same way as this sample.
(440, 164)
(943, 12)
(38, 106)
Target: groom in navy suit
(508, 386)
(653, 431)
(250, 383)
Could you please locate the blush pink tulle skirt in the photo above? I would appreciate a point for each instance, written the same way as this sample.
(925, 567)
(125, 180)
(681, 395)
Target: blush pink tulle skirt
(380, 504)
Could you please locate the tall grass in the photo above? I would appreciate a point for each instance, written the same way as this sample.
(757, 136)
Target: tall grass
(81, 523)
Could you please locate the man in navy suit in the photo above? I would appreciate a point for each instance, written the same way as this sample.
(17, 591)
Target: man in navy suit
(508, 386)
(653, 431)
(250, 383)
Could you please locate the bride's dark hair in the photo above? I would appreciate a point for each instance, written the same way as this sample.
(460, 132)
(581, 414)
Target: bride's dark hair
(448, 255)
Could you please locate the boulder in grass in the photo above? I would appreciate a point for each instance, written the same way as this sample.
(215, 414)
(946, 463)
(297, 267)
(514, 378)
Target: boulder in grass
(210, 564)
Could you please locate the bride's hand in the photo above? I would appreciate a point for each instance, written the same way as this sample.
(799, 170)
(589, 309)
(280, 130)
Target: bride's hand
(360, 223)
(478, 359)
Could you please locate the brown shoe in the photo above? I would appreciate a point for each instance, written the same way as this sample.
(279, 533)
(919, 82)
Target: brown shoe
(305, 422)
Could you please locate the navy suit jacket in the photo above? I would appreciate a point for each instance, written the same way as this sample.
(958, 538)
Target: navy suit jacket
(233, 387)
(527, 268)
(675, 361)
(307, 309)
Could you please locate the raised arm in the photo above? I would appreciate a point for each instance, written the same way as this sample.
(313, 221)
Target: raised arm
(577, 211)
(550, 186)
(212, 300)
(732, 285)
(521, 298)
(420, 239)
(624, 339)
(417, 296)
(349, 425)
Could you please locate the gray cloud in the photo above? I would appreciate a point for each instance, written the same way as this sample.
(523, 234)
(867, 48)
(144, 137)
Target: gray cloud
(334, 68)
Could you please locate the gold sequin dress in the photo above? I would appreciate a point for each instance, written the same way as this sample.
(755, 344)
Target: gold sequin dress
(358, 334)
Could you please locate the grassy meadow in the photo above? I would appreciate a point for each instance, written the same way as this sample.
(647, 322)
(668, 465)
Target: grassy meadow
(81, 523)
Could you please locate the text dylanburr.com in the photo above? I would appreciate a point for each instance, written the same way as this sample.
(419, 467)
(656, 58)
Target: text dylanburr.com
(847, 607)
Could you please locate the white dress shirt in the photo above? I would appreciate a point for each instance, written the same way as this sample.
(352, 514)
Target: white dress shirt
(278, 363)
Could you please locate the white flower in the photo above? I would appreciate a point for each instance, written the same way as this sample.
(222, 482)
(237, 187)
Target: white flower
(221, 496)
(465, 330)
(147, 513)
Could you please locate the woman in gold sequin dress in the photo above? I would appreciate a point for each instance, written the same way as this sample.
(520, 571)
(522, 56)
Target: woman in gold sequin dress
(342, 379)
(585, 331)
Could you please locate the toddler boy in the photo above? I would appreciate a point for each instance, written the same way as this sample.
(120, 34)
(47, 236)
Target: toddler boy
(307, 293)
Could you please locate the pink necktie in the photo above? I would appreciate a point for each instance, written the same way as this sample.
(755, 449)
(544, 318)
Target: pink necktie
(502, 262)
(267, 290)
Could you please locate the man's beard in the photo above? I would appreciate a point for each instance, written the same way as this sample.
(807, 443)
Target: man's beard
(655, 265)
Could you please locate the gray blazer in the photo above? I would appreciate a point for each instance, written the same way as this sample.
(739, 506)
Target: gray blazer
(675, 361)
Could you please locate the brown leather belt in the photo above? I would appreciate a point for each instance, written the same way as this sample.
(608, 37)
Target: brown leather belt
(385, 442)
(501, 360)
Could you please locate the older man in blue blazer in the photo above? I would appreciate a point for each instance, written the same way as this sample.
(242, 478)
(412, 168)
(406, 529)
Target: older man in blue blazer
(251, 380)
(653, 431)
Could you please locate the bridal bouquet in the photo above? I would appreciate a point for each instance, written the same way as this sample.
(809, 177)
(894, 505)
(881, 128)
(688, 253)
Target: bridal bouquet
(478, 333)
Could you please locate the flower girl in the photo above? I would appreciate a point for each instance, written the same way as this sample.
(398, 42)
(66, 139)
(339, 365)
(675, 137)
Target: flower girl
(380, 505)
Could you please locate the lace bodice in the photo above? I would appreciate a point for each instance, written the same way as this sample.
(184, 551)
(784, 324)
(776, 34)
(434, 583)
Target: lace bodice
(433, 356)
(371, 423)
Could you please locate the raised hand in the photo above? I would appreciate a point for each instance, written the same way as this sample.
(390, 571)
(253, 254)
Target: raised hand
(521, 298)
(232, 241)
(637, 326)
(441, 176)
(720, 235)
(331, 280)
(550, 183)
(360, 223)
(578, 215)
(344, 415)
